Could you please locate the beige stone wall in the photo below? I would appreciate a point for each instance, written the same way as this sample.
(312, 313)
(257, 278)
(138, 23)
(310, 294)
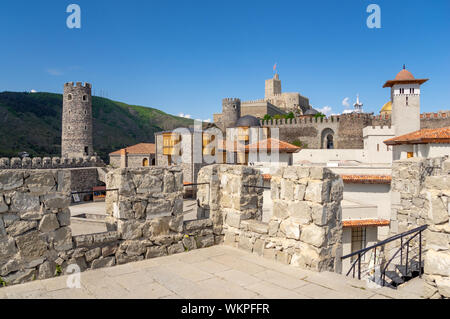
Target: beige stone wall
(437, 235)
(305, 229)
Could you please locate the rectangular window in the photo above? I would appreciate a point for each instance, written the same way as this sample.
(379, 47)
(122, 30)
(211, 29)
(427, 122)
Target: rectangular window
(358, 239)
(410, 154)
(170, 143)
(406, 100)
(411, 91)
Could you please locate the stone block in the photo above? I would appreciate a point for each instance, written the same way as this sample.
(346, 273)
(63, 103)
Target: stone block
(245, 243)
(57, 200)
(103, 262)
(313, 234)
(290, 228)
(175, 249)
(61, 239)
(48, 223)
(205, 241)
(64, 217)
(10, 180)
(31, 245)
(437, 263)
(21, 226)
(23, 202)
(155, 251)
(47, 270)
(92, 254)
(301, 211)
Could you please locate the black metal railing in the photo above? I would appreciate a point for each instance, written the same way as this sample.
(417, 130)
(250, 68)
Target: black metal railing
(404, 242)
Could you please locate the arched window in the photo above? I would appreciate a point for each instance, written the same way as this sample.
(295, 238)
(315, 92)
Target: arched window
(85, 98)
(69, 97)
(145, 162)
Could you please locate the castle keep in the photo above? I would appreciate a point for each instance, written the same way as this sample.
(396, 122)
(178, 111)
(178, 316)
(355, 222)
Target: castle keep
(77, 121)
(343, 131)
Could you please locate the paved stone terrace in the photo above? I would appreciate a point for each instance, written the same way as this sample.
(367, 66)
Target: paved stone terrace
(218, 272)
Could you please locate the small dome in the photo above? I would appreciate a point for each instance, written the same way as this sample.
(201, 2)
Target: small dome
(404, 75)
(248, 121)
(311, 112)
(387, 107)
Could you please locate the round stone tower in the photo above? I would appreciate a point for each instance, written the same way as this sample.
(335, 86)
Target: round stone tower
(77, 121)
(231, 112)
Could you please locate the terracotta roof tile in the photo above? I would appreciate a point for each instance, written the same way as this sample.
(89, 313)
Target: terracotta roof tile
(267, 177)
(367, 179)
(423, 136)
(142, 148)
(269, 144)
(365, 222)
(272, 144)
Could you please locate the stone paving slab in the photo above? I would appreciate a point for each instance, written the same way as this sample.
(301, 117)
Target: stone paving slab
(210, 273)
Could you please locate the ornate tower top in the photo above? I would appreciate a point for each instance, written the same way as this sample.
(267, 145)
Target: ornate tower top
(358, 105)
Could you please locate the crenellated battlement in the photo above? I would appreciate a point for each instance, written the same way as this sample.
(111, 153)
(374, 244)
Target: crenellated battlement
(435, 115)
(255, 101)
(50, 163)
(78, 85)
(230, 100)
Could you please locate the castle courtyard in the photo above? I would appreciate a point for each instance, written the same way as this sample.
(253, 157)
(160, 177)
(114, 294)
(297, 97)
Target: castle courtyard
(217, 272)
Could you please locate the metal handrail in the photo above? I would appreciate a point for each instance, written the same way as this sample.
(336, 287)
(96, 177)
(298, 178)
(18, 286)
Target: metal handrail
(363, 251)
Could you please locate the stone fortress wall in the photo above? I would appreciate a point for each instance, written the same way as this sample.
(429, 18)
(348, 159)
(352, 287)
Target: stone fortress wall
(50, 162)
(347, 128)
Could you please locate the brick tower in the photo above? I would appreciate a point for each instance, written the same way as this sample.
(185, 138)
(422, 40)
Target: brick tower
(77, 121)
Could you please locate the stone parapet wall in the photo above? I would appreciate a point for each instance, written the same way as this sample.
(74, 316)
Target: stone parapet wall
(145, 220)
(408, 209)
(34, 220)
(305, 229)
(49, 162)
(437, 216)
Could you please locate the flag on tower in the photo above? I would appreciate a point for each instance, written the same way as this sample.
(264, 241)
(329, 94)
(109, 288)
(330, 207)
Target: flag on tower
(275, 67)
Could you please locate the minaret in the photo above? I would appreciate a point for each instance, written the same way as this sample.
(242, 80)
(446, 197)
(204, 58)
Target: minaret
(405, 98)
(358, 105)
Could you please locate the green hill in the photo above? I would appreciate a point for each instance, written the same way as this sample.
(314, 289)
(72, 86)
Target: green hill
(31, 122)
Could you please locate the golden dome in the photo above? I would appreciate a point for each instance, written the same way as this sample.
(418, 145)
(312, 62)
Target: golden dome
(387, 108)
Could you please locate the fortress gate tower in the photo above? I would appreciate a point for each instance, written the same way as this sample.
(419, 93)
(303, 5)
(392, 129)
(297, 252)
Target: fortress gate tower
(77, 121)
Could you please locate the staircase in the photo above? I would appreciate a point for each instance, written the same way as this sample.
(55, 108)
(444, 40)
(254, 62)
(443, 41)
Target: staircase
(404, 261)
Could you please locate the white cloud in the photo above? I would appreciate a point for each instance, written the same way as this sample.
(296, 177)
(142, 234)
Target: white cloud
(325, 110)
(54, 72)
(188, 116)
(345, 102)
(33, 91)
(347, 111)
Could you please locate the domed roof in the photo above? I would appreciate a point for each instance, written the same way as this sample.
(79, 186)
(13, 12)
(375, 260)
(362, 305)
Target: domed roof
(311, 111)
(404, 75)
(247, 121)
(387, 107)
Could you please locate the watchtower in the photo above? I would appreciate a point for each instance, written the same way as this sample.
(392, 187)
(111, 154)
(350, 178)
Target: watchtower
(77, 120)
(231, 112)
(405, 98)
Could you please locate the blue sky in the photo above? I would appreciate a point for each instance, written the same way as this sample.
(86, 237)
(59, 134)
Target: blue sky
(185, 56)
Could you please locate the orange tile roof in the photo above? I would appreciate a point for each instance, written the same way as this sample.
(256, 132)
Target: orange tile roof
(142, 148)
(365, 222)
(367, 179)
(423, 136)
(267, 177)
(271, 144)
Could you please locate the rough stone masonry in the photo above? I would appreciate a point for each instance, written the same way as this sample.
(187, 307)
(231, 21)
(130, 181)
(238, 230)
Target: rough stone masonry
(305, 229)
